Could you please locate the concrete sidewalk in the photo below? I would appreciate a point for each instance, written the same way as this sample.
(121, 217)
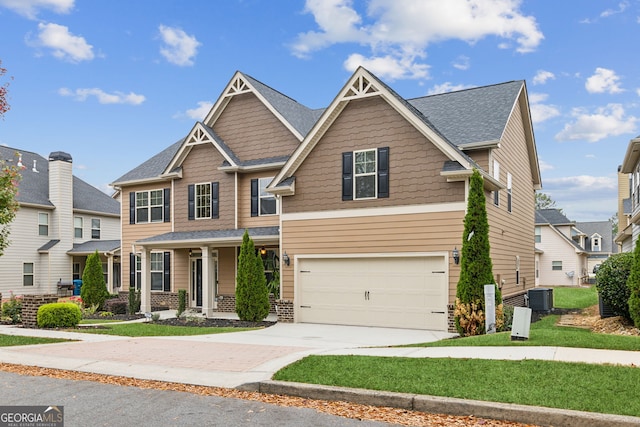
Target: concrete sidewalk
(248, 360)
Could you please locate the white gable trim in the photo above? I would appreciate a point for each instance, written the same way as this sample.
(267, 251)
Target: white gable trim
(362, 84)
(237, 86)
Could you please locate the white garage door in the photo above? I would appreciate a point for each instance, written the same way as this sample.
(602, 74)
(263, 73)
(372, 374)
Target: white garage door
(398, 292)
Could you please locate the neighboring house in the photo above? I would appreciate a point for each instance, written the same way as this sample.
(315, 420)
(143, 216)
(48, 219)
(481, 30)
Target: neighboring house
(360, 205)
(629, 197)
(567, 251)
(61, 220)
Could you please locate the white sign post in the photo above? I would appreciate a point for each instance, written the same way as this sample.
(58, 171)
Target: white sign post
(490, 308)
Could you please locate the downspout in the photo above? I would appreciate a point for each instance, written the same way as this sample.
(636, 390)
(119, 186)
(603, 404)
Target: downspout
(236, 200)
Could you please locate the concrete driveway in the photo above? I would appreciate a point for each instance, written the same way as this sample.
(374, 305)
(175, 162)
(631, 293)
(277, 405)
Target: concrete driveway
(224, 360)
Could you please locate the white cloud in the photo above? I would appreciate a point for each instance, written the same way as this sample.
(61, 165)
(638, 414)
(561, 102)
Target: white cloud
(542, 76)
(539, 111)
(447, 87)
(388, 66)
(638, 91)
(621, 8)
(604, 122)
(584, 197)
(179, 48)
(102, 96)
(544, 166)
(402, 29)
(604, 80)
(65, 45)
(197, 113)
(462, 63)
(31, 8)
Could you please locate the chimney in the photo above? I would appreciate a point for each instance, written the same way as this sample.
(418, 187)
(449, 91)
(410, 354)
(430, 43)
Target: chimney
(61, 195)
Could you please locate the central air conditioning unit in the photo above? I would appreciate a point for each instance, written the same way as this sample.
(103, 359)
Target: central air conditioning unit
(540, 299)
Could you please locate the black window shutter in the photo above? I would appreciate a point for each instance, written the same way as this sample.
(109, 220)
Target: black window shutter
(215, 201)
(383, 172)
(132, 207)
(167, 204)
(254, 197)
(167, 272)
(192, 201)
(347, 176)
(132, 270)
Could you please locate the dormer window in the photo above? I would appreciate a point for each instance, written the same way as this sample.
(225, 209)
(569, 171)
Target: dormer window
(596, 243)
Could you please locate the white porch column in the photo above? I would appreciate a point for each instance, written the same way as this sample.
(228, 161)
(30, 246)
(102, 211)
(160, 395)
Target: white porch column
(110, 273)
(145, 282)
(207, 282)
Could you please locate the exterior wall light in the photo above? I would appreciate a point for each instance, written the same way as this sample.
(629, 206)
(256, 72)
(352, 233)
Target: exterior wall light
(456, 256)
(286, 259)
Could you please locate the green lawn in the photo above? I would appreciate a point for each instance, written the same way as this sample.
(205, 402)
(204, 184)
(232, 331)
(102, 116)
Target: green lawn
(595, 388)
(11, 340)
(147, 329)
(573, 297)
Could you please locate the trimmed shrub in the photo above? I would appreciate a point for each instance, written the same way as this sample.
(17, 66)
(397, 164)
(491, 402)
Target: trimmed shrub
(252, 295)
(116, 306)
(58, 315)
(182, 301)
(611, 283)
(94, 289)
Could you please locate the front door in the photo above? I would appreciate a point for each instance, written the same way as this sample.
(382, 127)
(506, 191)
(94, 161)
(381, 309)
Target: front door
(196, 281)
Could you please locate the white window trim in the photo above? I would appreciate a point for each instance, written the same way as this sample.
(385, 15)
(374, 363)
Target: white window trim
(556, 264)
(156, 271)
(198, 206)
(266, 196)
(98, 228)
(76, 227)
(496, 176)
(32, 274)
(149, 206)
(40, 224)
(357, 175)
(509, 193)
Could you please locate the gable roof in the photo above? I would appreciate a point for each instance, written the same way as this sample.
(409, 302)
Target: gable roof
(34, 185)
(552, 216)
(150, 169)
(363, 84)
(603, 229)
(472, 116)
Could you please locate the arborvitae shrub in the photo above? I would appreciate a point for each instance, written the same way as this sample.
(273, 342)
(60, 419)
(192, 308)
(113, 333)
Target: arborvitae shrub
(252, 295)
(94, 289)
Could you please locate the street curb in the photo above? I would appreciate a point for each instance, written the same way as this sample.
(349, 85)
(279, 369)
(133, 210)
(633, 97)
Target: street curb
(536, 415)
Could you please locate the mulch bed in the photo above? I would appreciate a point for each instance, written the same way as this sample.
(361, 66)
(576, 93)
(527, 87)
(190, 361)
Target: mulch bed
(213, 323)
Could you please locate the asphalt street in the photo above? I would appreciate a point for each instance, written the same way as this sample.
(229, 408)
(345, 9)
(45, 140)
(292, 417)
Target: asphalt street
(94, 404)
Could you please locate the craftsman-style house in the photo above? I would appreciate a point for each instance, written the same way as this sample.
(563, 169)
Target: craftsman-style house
(357, 208)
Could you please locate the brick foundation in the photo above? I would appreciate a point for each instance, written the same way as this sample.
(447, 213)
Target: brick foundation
(285, 311)
(30, 306)
(227, 304)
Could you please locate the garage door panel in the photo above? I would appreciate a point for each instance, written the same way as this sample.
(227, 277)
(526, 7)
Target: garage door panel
(402, 292)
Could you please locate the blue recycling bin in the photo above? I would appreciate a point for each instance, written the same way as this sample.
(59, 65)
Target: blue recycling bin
(77, 284)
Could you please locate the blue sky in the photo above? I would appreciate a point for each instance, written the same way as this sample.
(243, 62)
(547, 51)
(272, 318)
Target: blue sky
(114, 82)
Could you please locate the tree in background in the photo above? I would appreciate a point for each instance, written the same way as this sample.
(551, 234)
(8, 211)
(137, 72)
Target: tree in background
(476, 267)
(544, 201)
(9, 178)
(252, 295)
(94, 289)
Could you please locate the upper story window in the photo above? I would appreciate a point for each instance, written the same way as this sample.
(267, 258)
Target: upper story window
(556, 265)
(149, 206)
(43, 224)
(538, 234)
(78, 223)
(365, 174)
(596, 243)
(496, 176)
(262, 202)
(95, 228)
(203, 201)
(509, 193)
(268, 205)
